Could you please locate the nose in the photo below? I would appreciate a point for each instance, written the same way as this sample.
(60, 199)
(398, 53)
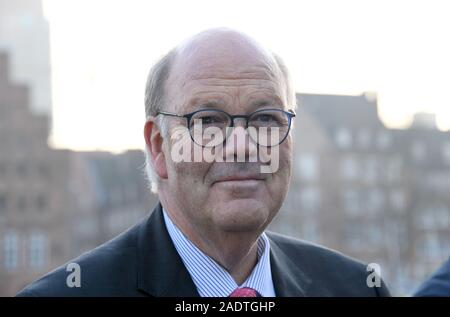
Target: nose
(238, 146)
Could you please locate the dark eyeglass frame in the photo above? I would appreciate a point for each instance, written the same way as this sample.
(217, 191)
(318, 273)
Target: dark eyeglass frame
(290, 114)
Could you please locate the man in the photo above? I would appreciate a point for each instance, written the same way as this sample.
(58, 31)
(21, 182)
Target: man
(224, 97)
(438, 285)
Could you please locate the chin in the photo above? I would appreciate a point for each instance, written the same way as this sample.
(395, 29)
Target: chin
(242, 215)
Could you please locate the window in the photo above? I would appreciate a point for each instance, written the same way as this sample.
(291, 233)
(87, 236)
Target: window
(308, 167)
(364, 138)
(37, 248)
(41, 202)
(425, 220)
(375, 200)
(433, 218)
(394, 169)
(398, 201)
(351, 201)
(349, 168)
(431, 248)
(371, 171)
(11, 251)
(374, 235)
(384, 140)
(343, 138)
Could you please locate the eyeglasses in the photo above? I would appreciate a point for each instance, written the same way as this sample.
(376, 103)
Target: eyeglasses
(266, 127)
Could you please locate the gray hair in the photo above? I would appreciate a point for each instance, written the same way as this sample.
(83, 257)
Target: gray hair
(155, 96)
(156, 79)
(154, 102)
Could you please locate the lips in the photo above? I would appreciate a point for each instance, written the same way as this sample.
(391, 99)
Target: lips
(235, 178)
(236, 172)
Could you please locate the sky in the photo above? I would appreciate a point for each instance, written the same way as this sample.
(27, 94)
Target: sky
(101, 51)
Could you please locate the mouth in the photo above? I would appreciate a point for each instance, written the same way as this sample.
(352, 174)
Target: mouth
(240, 180)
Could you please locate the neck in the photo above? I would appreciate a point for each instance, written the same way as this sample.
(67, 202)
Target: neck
(234, 251)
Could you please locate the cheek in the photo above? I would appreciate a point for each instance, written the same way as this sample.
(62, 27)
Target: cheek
(281, 178)
(192, 174)
(184, 172)
(286, 154)
(185, 175)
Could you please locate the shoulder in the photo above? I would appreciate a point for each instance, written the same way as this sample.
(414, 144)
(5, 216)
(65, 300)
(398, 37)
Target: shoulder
(330, 271)
(104, 271)
(438, 284)
(311, 252)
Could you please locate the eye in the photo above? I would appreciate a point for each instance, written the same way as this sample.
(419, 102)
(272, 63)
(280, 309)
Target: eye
(265, 117)
(269, 118)
(211, 119)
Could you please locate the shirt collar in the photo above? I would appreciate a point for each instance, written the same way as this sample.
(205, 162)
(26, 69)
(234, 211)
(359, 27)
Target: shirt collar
(210, 278)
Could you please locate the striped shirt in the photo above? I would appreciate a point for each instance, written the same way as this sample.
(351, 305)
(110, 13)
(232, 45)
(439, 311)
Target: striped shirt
(210, 278)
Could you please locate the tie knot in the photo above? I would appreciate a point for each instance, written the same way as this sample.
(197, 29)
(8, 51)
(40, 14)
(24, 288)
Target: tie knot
(245, 292)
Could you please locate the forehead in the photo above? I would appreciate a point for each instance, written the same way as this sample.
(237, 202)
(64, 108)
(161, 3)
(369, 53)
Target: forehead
(234, 73)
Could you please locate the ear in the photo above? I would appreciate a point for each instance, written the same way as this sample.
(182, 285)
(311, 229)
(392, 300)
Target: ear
(154, 141)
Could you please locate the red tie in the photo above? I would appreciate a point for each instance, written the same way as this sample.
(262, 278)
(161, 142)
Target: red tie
(245, 292)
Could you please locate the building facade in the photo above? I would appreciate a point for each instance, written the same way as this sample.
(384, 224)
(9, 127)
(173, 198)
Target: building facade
(56, 204)
(377, 194)
(24, 35)
(33, 191)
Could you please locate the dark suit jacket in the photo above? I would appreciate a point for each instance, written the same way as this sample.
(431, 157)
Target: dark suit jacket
(438, 284)
(144, 262)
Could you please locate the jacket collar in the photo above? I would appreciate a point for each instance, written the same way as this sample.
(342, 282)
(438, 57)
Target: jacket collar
(161, 271)
(288, 278)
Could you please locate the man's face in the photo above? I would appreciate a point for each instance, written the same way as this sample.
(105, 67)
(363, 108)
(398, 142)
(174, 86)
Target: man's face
(226, 196)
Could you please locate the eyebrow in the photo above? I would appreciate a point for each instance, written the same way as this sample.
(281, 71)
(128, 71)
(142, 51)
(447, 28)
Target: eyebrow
(196, 104)
(211, 104)
(265, 102)
(270, 101)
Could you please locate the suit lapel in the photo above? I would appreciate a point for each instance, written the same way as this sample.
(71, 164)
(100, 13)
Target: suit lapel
(161, 271)
(288, 279)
